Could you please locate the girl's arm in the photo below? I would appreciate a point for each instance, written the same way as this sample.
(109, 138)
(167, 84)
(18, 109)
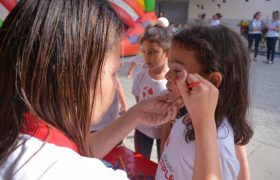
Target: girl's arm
(275, 29)
(244, 173)
(131, 69)
(207, 160)
(152, 111)
(121, 96)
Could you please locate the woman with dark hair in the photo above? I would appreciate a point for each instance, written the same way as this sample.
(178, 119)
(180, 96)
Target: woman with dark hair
(58, 65)
(58, 72)
(255, 33)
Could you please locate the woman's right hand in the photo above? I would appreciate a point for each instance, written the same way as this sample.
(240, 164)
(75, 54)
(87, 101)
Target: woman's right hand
(200, 100)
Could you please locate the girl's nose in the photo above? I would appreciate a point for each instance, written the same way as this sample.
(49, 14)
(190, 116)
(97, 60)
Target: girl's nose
(146, 57)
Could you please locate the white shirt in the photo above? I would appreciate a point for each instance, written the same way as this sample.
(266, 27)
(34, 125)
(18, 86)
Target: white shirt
(35, 159)
(215, 22)
(273, 24)
(256, 24)
(177, 160)
(145, 87)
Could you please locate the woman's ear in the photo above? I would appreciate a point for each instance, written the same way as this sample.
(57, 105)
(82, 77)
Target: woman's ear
(215, 78)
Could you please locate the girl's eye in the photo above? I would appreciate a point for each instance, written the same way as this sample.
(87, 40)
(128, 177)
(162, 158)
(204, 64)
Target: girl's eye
(177, 71)
(150, 52)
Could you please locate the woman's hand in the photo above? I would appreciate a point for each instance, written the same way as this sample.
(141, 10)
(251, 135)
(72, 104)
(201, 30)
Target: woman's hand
(156, 110)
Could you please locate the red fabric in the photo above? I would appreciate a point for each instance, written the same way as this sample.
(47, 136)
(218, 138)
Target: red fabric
(135, 164)
(127, 19)
(39, 129)
(9, 4)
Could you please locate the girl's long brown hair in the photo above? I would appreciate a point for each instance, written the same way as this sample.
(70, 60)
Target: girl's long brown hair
(220, 49)
(50, 50)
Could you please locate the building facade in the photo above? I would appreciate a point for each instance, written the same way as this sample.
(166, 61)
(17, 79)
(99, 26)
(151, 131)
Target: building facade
(186, 11)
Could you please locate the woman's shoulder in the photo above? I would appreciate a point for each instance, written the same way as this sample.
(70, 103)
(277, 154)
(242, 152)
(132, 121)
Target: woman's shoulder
(35, 159)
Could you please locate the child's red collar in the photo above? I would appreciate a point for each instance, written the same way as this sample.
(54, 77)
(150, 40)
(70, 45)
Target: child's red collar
(39, 129)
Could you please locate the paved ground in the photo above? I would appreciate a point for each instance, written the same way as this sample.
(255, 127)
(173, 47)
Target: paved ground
(264, 149)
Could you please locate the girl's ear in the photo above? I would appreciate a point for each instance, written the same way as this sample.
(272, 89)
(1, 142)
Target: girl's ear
(215, 78)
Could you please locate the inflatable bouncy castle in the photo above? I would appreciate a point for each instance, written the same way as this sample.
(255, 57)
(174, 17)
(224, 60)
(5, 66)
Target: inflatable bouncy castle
(5, 7)
(136, 14)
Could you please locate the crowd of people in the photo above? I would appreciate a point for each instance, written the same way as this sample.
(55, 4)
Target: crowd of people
(259, 29)
(268, 29)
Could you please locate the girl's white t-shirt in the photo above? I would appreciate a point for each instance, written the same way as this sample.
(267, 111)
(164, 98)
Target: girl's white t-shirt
(273, 24)
(145, 87)
(177, 160)
(256, 24)
(35, 159)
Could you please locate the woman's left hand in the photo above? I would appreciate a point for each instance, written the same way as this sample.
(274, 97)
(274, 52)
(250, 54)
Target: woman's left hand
(155, 110)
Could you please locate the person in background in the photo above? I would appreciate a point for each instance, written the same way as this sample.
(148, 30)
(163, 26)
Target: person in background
(172, 27)
(161, 14)
(202, 20)
(137, 60)
(216, 19)
(178, 28)
(255, 33)
(272, 36)
(150, 82)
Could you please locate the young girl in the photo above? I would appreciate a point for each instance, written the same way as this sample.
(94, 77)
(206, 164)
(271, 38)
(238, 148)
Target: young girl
(151, 82)
(218, 55)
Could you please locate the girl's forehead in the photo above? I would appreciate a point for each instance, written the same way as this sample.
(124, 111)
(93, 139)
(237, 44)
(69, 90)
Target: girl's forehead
(149, 44)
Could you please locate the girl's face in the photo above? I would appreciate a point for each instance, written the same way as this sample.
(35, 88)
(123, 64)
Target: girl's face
(258, 16)
(108, 83)
(185, 59)
(155, 56)
(275, 16)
